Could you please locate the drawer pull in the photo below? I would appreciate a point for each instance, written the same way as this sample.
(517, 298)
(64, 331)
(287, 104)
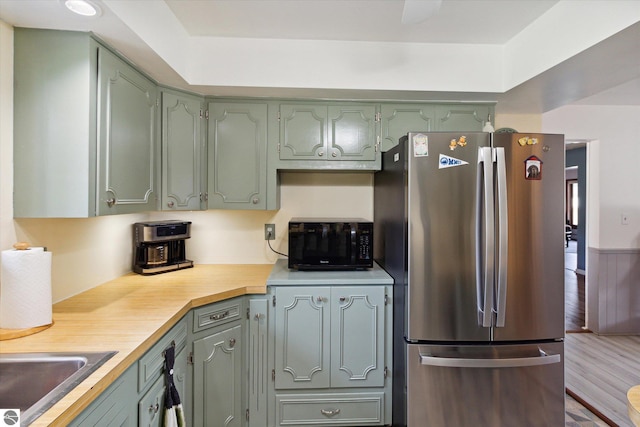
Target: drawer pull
(219, 316)
(330, 412)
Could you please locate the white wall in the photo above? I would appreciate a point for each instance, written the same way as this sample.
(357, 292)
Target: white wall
(91, 251)
(612, 167)
(7, 235)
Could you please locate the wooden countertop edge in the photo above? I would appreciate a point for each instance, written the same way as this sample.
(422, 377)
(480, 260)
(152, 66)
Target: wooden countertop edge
(73, 403)
(633, 404)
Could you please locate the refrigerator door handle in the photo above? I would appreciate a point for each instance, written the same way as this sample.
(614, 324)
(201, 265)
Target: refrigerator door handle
(484, 237)
(503, 236)
(515, 362)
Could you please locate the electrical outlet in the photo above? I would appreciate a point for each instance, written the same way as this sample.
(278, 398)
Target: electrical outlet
(269, 232)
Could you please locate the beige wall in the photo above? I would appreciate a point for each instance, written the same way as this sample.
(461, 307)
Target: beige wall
(525, 123)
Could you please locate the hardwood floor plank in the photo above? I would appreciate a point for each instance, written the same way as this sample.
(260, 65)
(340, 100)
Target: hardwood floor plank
(600, 370)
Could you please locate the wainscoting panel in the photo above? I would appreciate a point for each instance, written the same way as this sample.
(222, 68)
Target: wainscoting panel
(613, 291)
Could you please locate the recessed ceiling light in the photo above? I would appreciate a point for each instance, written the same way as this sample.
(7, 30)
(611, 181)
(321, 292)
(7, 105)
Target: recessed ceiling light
(82, 7)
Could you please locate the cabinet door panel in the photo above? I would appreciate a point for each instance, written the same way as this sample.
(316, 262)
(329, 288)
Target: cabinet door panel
(181, 152)
(302, 337)
(127, 177)
(237, 155)
(461, 118)
(352, 132)
(151, 406)
(217, 379)
(258, 361)
(303, 132)
(398, 120)
(357, 336)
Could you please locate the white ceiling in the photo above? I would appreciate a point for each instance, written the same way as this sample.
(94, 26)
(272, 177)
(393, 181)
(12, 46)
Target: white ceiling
(468, 21)
(578, 55)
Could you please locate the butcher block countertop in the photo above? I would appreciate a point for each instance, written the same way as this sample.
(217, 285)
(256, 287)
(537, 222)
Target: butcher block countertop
(128, 315)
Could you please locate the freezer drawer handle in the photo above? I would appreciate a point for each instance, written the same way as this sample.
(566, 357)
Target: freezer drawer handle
(454, 362)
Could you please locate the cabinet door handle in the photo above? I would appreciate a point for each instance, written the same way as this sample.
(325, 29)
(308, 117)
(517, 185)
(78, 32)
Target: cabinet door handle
(232, 342)
(219, 316)
(330, 412)
(111, 202)
(343, 299)
(255, 200)
(334, 154)
(170, 204)
(320, 299)
(154, 408)
(320, 153)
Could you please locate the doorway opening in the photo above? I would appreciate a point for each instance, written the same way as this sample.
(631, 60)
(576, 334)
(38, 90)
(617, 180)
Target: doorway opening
(575, 245)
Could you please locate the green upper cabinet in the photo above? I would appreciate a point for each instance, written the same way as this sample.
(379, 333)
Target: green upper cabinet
(183, 152)
(127, 138)
(462, 117)
(303, 132)
(237, 147)
(399, 119)
(312, 134)
(85, 129)
(55, 104)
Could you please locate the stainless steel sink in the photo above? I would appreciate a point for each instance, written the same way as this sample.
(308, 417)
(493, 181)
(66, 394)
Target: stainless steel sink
(33, 382)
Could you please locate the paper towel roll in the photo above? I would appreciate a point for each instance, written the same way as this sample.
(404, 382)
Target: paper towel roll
(25, 289)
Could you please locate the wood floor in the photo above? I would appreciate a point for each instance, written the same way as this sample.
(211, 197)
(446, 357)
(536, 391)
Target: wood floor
(598, 369)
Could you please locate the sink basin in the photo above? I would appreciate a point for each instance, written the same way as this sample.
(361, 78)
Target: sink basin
(33, 382)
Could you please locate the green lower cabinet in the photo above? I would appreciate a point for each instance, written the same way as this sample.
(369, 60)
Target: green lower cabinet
(331, 355)
(151, 406)
(218, 379)
(257, 360)
(116, 406)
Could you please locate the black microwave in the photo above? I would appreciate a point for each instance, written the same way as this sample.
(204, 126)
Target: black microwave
(330, 244)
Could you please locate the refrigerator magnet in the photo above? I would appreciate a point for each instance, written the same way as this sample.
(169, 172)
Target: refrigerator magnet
(420, 145)
(533, 168)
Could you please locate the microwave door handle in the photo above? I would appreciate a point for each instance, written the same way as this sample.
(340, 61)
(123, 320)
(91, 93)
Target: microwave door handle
(354, 248)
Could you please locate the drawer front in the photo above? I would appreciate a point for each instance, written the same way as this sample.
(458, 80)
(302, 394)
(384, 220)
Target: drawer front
(344, 409)
(150, 365)
(213, 315)
(151, 406)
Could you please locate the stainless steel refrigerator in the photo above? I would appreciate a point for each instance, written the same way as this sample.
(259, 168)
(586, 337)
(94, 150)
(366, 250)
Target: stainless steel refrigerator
(471, 227)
